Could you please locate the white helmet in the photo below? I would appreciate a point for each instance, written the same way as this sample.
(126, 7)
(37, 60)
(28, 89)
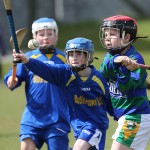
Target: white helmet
(44, 23)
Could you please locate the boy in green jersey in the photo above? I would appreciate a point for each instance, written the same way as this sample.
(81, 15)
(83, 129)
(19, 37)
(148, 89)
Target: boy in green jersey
(127, 83)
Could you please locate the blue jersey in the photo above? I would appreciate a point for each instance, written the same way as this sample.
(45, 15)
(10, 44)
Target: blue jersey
(86, 99)
(127, 88)
(45, 106)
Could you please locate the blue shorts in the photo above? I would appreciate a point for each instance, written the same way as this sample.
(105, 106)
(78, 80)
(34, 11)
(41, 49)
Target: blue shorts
(54, 138)
(93, 136)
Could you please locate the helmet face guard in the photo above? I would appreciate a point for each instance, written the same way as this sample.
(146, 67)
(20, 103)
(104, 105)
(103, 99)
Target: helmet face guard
(80, 45)
(123, 25)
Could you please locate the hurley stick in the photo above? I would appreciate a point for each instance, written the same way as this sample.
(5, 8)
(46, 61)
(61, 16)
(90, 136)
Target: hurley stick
(8, 9)
(20, 34)
(9, 13)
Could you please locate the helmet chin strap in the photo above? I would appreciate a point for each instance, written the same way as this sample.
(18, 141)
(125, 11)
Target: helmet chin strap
(78, 68)
(83, 66)
(123, 37)
(49, 49)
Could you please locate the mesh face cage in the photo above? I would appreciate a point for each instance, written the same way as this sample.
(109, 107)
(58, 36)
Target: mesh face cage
(128, 26)
(89, 56)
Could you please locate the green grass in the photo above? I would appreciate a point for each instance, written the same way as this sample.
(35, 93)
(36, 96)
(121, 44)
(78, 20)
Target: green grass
(13, 103)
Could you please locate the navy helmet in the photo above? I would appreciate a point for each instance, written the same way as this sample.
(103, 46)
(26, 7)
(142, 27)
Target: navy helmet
(124, 25)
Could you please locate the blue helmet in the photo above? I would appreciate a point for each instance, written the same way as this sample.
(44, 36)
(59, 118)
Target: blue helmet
(80, 44)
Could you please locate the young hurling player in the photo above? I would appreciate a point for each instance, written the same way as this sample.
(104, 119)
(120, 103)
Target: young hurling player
(126, 83)
(45, 116)
(85, 89)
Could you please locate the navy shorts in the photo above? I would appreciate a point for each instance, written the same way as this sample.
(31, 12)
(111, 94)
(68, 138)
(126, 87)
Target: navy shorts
(54, 138)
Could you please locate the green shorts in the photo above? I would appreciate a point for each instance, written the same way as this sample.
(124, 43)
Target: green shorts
(133, 131)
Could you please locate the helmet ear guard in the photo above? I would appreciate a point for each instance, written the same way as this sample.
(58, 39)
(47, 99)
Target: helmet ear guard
(83, 45)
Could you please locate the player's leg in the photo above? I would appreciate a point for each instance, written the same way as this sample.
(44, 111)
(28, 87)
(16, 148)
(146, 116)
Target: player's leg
(58, 142)
(56, 138)
(30, 138)
(28, 144)
(81, 144)
(90, 139)
(118, 146)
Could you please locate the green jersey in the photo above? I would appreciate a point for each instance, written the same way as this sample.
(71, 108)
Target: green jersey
(127, 88)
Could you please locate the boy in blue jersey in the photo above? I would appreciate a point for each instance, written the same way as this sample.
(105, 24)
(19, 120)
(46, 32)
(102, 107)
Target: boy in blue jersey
(126, 83)
(45, 118)
(85, 90)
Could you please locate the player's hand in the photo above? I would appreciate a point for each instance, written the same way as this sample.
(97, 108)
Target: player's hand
(20, 56)
(128, 62)
(12, 83)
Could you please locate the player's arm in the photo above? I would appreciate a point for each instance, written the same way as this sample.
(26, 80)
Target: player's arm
(21, 73)
(129, 74)
(12, 83)
(129, 63)
(55, 74)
